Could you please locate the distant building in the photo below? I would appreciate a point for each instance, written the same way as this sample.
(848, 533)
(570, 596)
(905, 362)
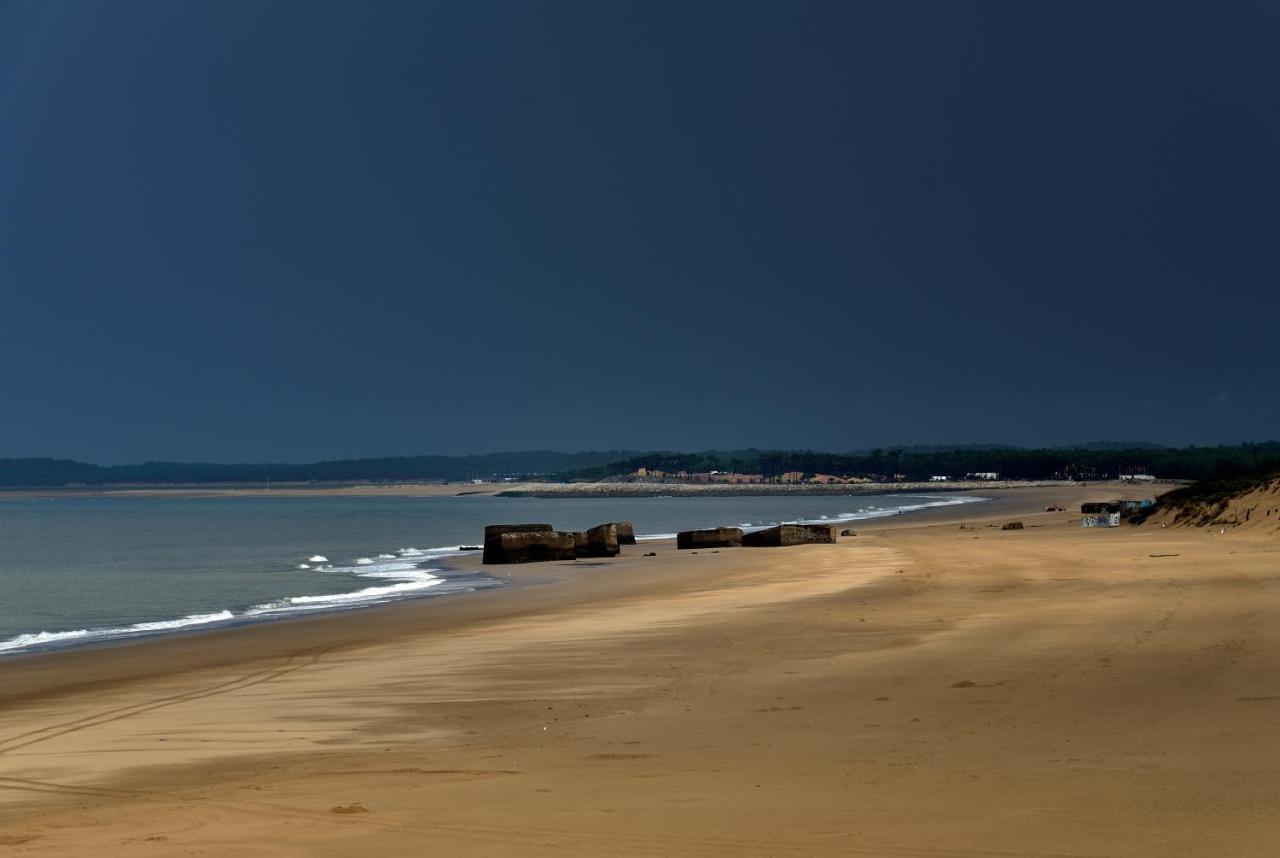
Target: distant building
(1137, 478)
(791, 477)
(1080, 473)
(938, 478)
(982, 475)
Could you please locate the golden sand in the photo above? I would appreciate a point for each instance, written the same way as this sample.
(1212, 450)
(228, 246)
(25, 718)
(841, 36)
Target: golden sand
(921, 689)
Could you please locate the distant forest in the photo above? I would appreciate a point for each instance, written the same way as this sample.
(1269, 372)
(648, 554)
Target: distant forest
(46, 473)
(1089, 462)
(1086, 462)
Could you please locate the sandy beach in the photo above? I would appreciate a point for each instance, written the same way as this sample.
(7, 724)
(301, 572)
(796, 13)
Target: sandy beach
(933, 687)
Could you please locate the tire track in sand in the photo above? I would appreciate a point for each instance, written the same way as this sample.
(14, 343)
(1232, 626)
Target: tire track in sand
(297, 661)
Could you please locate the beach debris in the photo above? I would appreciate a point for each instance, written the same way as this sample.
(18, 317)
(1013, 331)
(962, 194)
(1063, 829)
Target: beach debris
(651, 554)
(790, 534)
(354, 807)
(599, 541)
(527, 543)
(715, 537)
(1013, 525)
(1054, 508)
(847, 532)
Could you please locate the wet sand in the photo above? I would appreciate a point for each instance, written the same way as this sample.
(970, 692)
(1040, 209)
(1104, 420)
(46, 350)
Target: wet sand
(922, 689)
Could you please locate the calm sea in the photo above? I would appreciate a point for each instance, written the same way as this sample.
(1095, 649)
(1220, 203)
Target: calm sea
(76, 571)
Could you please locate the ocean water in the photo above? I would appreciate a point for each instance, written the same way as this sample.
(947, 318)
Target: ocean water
(76, 571)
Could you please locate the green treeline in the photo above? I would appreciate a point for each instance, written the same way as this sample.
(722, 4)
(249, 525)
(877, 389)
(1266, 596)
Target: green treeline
(1012, 463)
(916, 463)
(31, 473)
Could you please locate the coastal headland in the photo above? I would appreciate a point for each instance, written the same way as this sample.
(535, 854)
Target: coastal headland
(933, 686)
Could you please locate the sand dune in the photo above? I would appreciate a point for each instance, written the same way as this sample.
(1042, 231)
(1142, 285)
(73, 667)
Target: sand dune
(1256, 510)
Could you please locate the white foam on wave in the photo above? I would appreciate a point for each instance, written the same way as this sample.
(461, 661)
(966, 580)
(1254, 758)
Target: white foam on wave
(397, 577)
(882, 512)
(37, 639)
(839, 518)
(403, 572)
(367, 593)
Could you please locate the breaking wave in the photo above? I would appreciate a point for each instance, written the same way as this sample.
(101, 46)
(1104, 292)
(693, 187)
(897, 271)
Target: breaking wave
(403, 575)
(45, 639)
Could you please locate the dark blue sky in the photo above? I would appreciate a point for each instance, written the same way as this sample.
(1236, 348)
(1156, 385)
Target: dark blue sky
(294, 230)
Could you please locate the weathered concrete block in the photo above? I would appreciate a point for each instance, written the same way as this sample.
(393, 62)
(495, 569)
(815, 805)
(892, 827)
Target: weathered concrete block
(599, 541)
(526, 543)
(626, 533)
(716, 537)
(494, 530)
(790, 534)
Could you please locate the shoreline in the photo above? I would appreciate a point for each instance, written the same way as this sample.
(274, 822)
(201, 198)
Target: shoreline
(159, 630)
(448, 567)
(997, 506)
(646, 490)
